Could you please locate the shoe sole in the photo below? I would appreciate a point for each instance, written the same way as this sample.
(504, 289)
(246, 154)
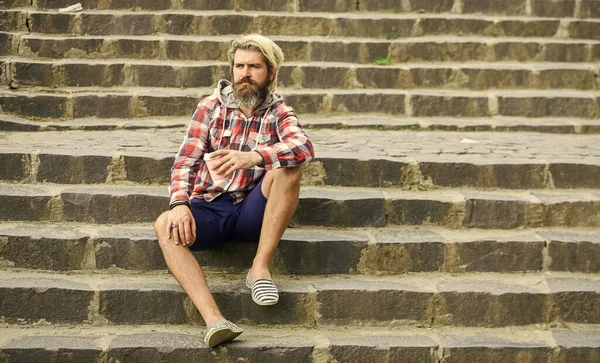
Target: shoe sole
(221, 336)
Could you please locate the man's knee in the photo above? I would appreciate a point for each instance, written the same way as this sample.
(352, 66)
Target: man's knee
(288, 175)
(160, 225)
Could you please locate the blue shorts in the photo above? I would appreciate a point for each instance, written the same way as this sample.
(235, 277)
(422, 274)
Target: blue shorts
(221, 221)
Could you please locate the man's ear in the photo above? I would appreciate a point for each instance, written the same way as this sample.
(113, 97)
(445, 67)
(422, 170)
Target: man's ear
(272, 75)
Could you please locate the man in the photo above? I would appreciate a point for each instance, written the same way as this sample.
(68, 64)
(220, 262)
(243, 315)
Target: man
(259, 146)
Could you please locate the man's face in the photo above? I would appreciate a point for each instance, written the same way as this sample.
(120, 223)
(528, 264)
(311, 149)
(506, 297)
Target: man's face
(251, 78)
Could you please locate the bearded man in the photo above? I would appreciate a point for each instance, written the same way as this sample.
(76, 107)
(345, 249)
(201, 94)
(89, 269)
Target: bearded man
(249, 189)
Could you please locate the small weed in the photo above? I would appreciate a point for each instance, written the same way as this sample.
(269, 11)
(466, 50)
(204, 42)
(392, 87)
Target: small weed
(34, 118)
(383, 61)
(595, 74)
(415, 127)
(479, 129)
(81, 128)
(395, 10)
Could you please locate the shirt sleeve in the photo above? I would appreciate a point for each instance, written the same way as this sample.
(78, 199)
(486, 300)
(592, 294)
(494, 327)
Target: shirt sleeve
(185, 167)
(294, 147)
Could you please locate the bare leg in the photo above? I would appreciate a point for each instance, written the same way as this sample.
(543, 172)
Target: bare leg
(282, 189)
(188, 273)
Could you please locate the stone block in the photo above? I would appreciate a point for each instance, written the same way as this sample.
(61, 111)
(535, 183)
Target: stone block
(576, 300)
(159, 347)
(103, 106)
(495, 7)
(265, 5)
(143, 169)
(445, 26)
(364, 53)
(93, 75)
(13, 165)
(196, 51)
(73, 168)
(568, 78)
(573, 251)
(36, 106)
(141, 4)
(136, 48)
(208, 4)
(154, 75)
(182, 24)
(528, 28)
(584, 30)
(49, 23)
(553, 8)
(15, 207)
(495, 211)
(568, 210)
(431, 6)
(403, 251)
(270, 351)
(319, 252)
(499, 174)
(356, 209)
(532, 106)
(55, 4)
(108, 24)
(467, 348)
(484, 79)
(490, 303)
(61, 48)
(293, 25)
(197, 76)
(557, 52)
(344, 302)
(163, 105)
(455, 106)
(571, 175)
(230, 256)
(589, 9)
(337, 6)
(6, 45)
(380, 77)
(295, 51)
(363, 103)
(54, 300)
(33, 74)
(518, 51)
(577, 345)
(498, 255)
(325, 77)
(45, 248)
(373, 28)
(7, 4)
(363, 173)
(11, 21)
(382, 349)
(421, 211)
(306, 103)
(128, 249)
(439, 52)
(233, 24)
(44, 349)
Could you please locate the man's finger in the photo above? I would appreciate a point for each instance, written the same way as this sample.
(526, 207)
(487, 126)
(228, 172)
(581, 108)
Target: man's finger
(167, 230)
(181, 230)
(188, 234)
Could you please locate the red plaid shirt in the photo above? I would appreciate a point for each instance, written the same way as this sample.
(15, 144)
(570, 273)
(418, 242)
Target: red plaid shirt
(273, 131)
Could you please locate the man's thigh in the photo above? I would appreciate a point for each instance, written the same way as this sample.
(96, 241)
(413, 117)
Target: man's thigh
(249, 217)
(214, 221)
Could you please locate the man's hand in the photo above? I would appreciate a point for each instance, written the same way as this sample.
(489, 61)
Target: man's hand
(185, 232)
(232, 160)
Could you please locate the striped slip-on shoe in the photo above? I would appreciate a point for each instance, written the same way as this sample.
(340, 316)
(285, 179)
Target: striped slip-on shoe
(264, 292)
(221, 332)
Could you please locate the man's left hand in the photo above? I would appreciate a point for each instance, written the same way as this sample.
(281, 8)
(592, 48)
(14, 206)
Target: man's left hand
(232, 160)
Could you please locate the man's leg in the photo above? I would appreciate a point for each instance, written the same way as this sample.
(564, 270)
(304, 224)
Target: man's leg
(281, 187)
(188, 273)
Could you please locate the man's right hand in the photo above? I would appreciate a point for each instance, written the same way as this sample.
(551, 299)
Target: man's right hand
(185, 230)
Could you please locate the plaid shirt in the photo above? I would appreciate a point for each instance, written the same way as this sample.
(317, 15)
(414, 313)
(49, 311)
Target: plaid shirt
(273, 131)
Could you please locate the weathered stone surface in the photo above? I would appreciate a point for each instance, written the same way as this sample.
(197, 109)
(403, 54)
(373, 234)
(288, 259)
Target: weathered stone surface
(348, 52)
(127, 249)
(11, 21)
(362, 173)
(90, 75)
(566, 52)
(72, 168)
(527, 28)
(135, 48)
(7, 4)
(498, 255)
(414, 211)
(208, 4)
(374, 28)
(518, 51)
(497, 174)
(553, 8)
(323, 77)
(569, 210)
(6, 46)
(107, 24)
(535, 106)
(461, 348)
(584, 30)
(13, 165)
(456, 106)
(494, 211)
(270, 351)
(301, 252)
(112, 206)
(54, 300)
(306, 103)
(33, 74)
(369, 349)
(44, 248)
(402, 251)
(49, 23)
(559, 78)
(589, 9)
(142, 4)
(577, 300)
(198, 76)
(104, 106)
(36, 106)
(143, 169)
(357, 209)
(572, 175)
(159, 347)
(381, 103)
(154, 76)
(440, 52)
(44, 349)
(490, 303)
(163, 105)
(24, 203)
(134, 303)
(573, 251)
(265, 5)
(504, 7)
(346, 301)
(338, 6)
(55, 4)
(60, 48)
(577, 346)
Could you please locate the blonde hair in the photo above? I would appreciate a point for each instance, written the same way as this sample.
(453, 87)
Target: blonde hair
(255, 42)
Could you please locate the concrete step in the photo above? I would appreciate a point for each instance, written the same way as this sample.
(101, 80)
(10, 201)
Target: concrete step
(353, 158)
(565, 8)
(309, 251)
(484, 300)
(375, 25)
(139, 344)
(150, 102)
(556, 125)
(22, 72)
(305, 49)
(328, 207)
(79, 344)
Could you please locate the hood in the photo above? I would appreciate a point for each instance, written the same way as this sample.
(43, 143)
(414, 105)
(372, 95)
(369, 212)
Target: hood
(224, 92)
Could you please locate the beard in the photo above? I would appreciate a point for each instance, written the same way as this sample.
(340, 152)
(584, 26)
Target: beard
(249, 94)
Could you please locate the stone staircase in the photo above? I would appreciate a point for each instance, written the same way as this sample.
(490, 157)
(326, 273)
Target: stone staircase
(451, 215)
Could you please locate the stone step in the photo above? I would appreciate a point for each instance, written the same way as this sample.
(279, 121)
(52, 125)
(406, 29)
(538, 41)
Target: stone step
(130, 73)
(148, 102)
(305, 49)
(365, 122)
(387, 26)
(155, 343)
(354, 158)
(328, 207)
(564, 8)
(309, 251)
(483, 300)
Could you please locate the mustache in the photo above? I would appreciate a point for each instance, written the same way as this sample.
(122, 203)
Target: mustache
(246, 80)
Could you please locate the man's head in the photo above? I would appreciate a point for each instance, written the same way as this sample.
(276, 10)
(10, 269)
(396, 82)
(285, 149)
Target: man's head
(254, 62)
